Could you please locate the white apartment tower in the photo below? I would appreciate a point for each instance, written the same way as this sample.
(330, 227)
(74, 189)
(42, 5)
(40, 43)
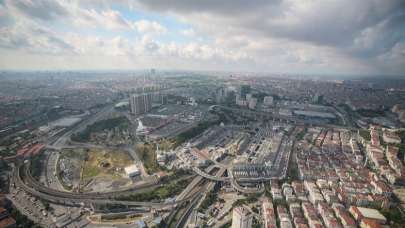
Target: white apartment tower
(241, 218)
(140, 103)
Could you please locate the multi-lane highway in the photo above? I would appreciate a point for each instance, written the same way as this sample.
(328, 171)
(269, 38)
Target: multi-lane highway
(30, 185)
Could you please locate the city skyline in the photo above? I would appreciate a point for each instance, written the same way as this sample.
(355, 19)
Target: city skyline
(313, 37)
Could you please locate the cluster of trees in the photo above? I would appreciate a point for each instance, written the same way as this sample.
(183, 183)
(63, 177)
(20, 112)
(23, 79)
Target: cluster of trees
(121, 122)
(301, 135)
(250, 199)
(371, 113)
(146, 152)
(37, 162)
(22, 220)
(365, 134)
(211, 198)
(193, 132)
(160, 193)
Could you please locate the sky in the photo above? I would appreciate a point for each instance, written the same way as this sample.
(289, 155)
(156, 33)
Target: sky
(361, 37)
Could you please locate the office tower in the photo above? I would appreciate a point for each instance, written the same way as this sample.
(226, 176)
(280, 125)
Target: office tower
(244, 89)
(241, 218)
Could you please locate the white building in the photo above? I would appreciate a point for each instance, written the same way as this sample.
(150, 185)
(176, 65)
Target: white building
(252, 103)
(241, 218)
(391, 137)
(132, 171)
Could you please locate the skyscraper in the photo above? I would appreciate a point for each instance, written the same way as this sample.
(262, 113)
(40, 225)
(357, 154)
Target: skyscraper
(220, 95)
(241, 218)
(147, 101)
(141, 103)
(244, 89)
(137, 104)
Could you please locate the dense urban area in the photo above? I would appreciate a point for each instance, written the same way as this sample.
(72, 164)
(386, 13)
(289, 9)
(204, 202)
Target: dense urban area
(190, 149)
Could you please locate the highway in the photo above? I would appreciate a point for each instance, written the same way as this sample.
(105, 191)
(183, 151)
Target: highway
(198, 199)
(80, 199)
(23, 179)
(211, 177)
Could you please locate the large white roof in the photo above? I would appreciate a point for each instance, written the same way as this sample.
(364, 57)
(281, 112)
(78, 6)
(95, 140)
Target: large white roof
(131, 169)
(371, 213)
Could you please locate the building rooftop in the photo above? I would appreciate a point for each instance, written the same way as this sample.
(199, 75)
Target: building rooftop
(131, 169)
(371, 213)
(7, 222)
(315, 114)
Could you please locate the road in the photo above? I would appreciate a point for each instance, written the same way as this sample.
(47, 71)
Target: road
(195, 202)
(74, 199)
(294, 120)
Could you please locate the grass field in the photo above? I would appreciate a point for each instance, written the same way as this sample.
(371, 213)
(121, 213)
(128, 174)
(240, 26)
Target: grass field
(105, 163)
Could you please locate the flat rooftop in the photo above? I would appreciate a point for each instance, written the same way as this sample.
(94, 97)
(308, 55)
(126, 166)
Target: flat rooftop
(327, 115)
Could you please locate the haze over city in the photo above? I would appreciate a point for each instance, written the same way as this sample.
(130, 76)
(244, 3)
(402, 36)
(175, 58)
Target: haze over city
(202, 113)
(282, 36)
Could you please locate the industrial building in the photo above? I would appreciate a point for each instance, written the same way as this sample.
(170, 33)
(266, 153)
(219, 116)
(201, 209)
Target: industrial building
(132, 171)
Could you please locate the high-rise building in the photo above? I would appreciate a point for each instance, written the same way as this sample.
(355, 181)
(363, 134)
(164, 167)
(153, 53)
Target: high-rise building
(220, 95)
(159, 98)
(141, 103)
(241, 218)
(268, 214)
(315, 98)
(244, 89)
(252, 103)
(147, 101)
(249, 96)
(137, 104)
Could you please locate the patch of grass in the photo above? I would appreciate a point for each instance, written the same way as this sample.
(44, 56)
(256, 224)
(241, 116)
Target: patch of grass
(160, 193)
(365, 134)
(90, 171)
(93, 164)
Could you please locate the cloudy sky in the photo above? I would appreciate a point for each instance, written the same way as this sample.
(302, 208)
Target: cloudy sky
(290, 36)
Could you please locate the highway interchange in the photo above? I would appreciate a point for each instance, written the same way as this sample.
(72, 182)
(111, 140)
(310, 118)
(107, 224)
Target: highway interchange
(204, 181)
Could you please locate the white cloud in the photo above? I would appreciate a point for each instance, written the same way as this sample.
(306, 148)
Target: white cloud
(278, 35)
(106, 19)
(148, 27)
(188, 32)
